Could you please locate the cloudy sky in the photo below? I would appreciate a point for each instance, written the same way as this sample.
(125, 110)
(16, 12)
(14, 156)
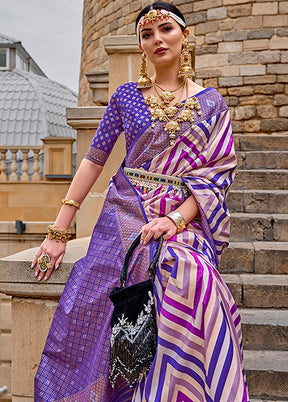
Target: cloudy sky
(50, 31)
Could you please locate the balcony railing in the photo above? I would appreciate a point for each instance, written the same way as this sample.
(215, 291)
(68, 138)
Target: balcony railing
(23, 163)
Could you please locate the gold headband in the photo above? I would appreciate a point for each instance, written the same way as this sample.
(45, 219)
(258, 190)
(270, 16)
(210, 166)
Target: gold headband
(152, 16)
(156, 15)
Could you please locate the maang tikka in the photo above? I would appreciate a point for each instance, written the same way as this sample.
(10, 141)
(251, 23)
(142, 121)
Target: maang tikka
(186, 69)
(144, 81)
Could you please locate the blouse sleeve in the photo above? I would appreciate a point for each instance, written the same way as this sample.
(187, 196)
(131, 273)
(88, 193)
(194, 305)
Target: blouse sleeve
(108, 131)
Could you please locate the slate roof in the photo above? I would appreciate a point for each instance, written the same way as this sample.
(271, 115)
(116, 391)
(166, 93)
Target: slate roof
(32, 107)
(7, 40)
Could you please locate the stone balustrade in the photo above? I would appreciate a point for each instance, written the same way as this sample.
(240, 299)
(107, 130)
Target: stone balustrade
(21, 163)
(51, 161)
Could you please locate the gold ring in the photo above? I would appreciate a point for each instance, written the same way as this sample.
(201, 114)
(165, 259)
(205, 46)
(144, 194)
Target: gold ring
(44, 263)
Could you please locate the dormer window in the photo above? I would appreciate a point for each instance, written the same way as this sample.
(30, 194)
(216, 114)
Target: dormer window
(13, 55)
(4, 59)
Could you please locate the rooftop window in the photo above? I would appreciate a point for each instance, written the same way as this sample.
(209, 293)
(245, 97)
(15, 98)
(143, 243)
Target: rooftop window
(4, 59)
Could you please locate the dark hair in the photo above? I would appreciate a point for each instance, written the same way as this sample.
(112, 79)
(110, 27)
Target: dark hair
(160, 5)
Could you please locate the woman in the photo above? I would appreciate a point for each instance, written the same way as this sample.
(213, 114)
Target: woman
(179, 166)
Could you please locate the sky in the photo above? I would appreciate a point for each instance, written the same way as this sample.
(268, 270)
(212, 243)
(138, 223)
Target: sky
(50, 31)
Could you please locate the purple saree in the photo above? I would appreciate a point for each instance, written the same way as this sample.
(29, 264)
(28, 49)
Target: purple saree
(199, 353)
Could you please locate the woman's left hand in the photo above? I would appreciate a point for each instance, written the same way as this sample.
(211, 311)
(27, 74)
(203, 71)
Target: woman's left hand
(156, 227)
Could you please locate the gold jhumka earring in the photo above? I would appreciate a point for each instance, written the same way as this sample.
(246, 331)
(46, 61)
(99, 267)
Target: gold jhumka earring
(144, 81)
(186, 69)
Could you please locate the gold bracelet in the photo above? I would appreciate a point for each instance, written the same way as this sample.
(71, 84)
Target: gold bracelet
(178, 219)
(58, 234)
(71, 202)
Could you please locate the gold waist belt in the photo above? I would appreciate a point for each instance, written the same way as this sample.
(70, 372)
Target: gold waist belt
(149, 181)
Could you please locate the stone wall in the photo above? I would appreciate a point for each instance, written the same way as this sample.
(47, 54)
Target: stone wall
(5, 349)
(241, 50)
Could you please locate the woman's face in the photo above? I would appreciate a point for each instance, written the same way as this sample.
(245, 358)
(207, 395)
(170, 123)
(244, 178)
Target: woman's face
(162, 41)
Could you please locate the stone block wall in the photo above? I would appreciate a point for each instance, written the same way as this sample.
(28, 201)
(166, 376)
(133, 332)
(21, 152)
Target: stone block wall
(5, 349)
(241, 51)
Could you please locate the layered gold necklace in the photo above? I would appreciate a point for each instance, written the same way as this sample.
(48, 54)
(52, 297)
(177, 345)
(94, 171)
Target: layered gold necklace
(167, 95)
(164, 112)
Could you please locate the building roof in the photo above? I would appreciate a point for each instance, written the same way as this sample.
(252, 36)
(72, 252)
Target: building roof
(7, 40)
(32, 107)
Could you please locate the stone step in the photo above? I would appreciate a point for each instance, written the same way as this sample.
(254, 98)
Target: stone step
(258, 201)
(262, 159)
(258, 291)
(264, 329)
(261, 179)
(267, 400)
(267, 373)
(255, 257)
(261, 142)
(251, 227)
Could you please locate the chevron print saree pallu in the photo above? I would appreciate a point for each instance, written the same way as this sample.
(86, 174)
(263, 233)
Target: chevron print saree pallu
(199, 345)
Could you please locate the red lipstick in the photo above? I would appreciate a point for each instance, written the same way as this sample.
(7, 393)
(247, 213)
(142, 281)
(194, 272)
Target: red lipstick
(160, 50)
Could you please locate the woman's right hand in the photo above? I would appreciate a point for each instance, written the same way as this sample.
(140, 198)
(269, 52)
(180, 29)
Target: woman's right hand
(55, 250)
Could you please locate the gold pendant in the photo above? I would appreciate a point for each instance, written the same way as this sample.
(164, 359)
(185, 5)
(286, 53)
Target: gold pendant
(171, 111)
(167, 97)
(159, 113)
(186, 115)
(171, 127)
(193, 103)
(151, 101)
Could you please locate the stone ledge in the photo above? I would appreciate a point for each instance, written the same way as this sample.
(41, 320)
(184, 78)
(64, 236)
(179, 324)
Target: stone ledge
(263, 142)
(258, 291)
(261, 179)
(84, 116)
(17, 277)
(267, 372)
(258, 201)
(264, 328)
(31, 227)
(260, 257)
(261, 227)
(128, 43)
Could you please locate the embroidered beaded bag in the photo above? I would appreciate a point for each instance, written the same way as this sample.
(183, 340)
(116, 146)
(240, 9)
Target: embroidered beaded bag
(134, 332)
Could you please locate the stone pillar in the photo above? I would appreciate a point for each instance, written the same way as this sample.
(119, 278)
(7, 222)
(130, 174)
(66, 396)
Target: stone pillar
(5, 346)
(33, 306)
(58, 158)
(99, 83)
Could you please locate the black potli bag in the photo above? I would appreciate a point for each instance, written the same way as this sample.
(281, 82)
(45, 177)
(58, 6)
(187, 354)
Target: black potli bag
(134, 332)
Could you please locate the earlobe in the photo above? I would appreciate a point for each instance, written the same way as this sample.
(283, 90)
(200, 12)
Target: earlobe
(186, 33)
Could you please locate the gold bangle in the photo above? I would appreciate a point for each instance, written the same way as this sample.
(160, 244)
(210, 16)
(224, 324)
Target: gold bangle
(178, 219)
(71, 202)
(58, 234)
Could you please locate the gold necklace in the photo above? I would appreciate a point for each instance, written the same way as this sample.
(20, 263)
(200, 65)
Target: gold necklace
(167, 95)
(173, 109)
(167, 114)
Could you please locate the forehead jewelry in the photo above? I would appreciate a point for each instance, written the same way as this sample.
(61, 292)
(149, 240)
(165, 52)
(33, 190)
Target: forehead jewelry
(152, 16)
(157, 15)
